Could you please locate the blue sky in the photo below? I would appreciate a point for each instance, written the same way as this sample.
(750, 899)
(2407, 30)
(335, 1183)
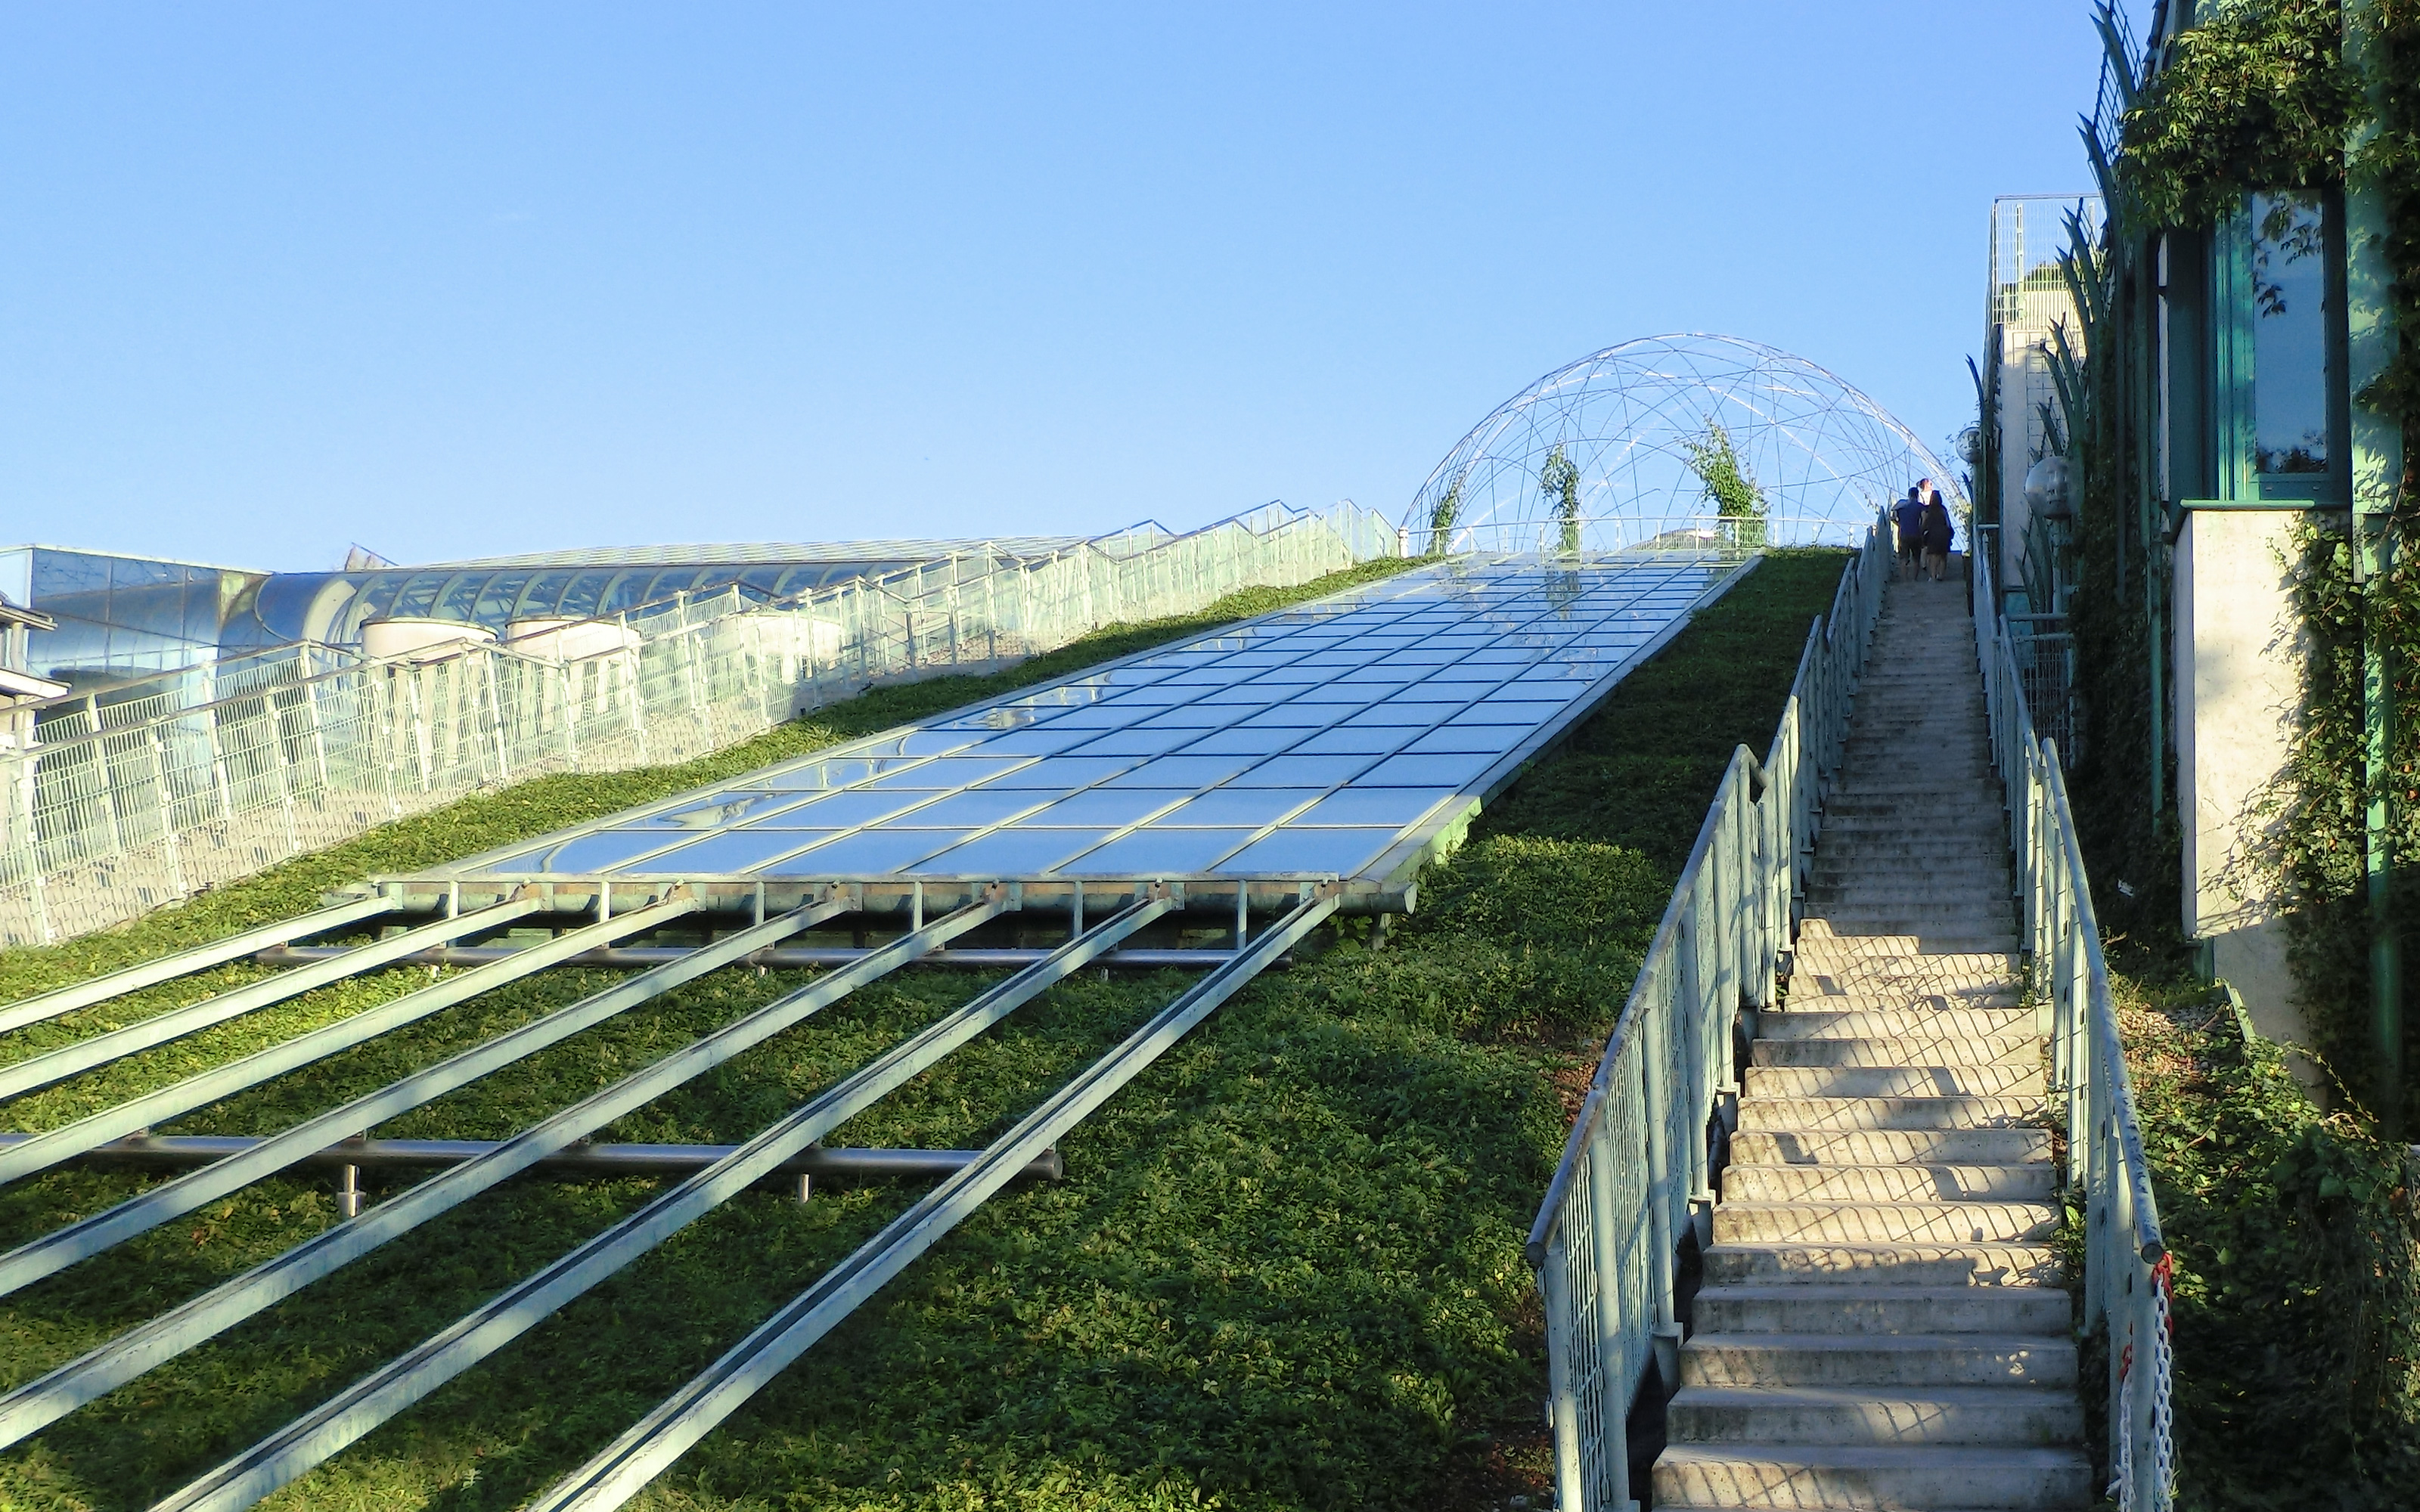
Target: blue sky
(451, 279)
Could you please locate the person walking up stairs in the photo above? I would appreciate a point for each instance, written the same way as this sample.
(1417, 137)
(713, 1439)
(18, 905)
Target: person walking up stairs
(1882, 1324)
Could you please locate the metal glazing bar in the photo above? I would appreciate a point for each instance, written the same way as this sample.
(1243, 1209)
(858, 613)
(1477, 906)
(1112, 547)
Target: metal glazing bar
(65, 1246)
(384, 1393)
(84, 1055)
(180, 1328)
(656, 1440)
(185, 963)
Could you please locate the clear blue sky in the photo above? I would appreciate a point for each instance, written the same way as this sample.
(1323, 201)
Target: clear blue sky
(461, 279)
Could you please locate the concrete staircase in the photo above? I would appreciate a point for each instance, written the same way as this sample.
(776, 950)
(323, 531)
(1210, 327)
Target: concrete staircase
(1881, 1324)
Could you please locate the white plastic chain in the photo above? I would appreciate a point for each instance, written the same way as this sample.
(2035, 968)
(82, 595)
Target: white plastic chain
(2162, 1362)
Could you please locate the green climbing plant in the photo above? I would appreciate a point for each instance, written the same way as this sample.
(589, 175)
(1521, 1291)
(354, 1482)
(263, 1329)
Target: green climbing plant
(1728, 485)
(1442, 517)
(1558, 481)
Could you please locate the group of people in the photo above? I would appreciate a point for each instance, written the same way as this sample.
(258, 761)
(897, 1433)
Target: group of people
(1924, 532)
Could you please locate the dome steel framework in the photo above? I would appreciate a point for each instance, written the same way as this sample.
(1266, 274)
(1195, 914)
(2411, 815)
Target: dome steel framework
(1611, 453)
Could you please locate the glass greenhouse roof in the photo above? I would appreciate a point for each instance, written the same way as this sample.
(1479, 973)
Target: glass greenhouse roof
(1333, 739)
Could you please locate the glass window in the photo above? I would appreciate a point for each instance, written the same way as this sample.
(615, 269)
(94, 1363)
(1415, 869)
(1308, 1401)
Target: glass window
(2289, 336)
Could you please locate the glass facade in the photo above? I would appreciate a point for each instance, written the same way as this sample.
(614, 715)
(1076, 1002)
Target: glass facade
(121, 617)
(1309, 742)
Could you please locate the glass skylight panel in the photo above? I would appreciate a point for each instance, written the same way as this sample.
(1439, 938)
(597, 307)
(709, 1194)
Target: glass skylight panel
(1307, 743)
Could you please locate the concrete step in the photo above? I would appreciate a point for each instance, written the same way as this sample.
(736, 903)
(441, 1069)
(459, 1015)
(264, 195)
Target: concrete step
(1957, 922)
(1936, 901)
(1902, 958)
(1819, 931)
(1882, 1359)
(1896, 1081)
(1814, 1019)
(1796, 1112)
(1893, 836)
(1894, 981)
(1908, 1265)
(2004, 1415)
(1912, 877)
(1882, 1308)
(1990, 920)
(2014, 1047)
(1916, 805)
(1944, 1478)
(1867, 749)
(1886, 1223)
(1886, 859)
(1882, 876)
(1890, 1147)
(1780, 1181)
(1806, 999)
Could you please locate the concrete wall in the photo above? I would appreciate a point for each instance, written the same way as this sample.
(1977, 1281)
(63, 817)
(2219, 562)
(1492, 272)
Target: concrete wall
(2238, 658)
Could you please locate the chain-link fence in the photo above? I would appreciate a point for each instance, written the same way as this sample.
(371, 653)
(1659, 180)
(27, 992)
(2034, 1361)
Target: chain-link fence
(122, 806)
(2127, 1272)
(1636, 1163)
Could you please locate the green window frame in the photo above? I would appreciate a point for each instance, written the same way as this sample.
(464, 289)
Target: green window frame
(2235, 314)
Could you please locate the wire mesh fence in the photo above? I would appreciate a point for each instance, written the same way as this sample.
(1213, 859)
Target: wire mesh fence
(1636, 1168)
(121, 806)
(2127, 1274)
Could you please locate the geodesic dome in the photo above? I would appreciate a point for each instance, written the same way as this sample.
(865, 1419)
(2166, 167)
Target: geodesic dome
(1614, 450)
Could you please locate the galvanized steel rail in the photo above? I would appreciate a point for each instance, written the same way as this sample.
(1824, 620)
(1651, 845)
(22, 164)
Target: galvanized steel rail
(364, 1404)
(35, 1071)
(2127, 1269)
(1636, 1168)
(185, 963)
(650, 1446)
(61, 1247)
(50, 1397)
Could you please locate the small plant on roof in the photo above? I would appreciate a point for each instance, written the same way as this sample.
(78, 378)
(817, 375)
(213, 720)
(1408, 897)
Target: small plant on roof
(1441, 519)
(1559, 482)
(1734, 493)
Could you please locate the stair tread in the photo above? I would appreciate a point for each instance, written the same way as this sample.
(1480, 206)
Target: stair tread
(1897, 1343)
(1853, 1292)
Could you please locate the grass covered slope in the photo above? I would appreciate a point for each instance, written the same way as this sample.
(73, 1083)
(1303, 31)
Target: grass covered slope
(1284, 1270)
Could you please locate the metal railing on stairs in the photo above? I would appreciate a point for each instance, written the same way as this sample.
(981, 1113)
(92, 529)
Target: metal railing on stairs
(1637, 1166)
(2125, 1272)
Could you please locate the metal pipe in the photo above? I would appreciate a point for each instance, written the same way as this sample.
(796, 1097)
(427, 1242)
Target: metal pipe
(130, 1354)
(172, 1150)
(650, 1446)
(84, 1055)
(146, 1209)
(980, 958)
(185, 963)
(277, 1460)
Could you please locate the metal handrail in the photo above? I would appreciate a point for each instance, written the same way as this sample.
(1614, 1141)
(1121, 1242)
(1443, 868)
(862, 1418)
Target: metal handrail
(1637, 1166)
(2127, 1270)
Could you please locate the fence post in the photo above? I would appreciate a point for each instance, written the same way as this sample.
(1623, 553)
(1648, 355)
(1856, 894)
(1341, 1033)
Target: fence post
(1612, 1357)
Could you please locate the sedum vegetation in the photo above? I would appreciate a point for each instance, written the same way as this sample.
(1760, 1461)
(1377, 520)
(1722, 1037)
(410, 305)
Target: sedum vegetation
(1284, 1270)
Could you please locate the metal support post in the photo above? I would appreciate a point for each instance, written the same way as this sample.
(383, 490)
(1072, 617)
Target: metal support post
(2377, 466)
